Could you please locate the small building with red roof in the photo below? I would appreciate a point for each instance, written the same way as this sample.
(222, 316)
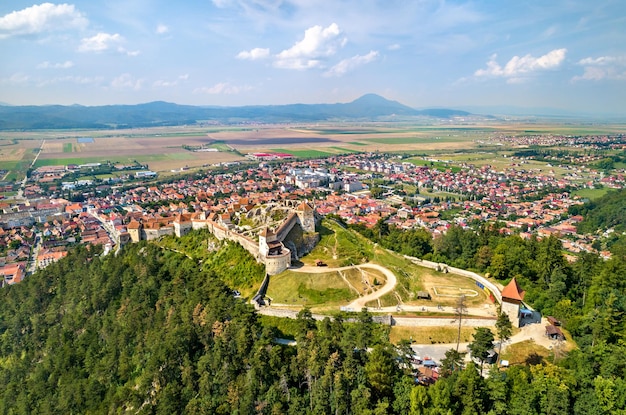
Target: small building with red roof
(512, 297)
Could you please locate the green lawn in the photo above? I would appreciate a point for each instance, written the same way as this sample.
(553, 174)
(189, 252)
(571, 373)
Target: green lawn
(220, 145)
(343, 247)
(430, 335)
(124, 160)
(339, 247)
(300, 289)
(68, 147)
(591, 193)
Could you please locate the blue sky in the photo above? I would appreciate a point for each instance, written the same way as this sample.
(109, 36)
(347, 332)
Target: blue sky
(563, 54)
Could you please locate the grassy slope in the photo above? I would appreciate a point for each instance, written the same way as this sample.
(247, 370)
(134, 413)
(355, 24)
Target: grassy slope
(343, 247)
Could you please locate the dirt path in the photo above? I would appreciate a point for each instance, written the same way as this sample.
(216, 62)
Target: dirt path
(348, 282)
(360, 302)
(389, 286)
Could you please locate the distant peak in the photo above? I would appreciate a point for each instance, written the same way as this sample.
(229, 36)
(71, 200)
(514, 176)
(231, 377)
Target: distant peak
(371, 98)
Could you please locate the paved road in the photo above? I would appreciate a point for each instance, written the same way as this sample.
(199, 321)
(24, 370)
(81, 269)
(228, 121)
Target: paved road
(437, 352)
(32, 265)
(110, 230)
(20, 192)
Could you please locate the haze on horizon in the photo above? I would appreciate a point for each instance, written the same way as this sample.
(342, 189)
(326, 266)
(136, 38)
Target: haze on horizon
(562, 54)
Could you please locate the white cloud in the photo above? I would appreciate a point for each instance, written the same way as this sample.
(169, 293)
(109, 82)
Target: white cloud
(603, 67)
(163, 83)
(41, 18)
(349, 64)
(603, 60)
(518, 67)
(254, 54)
(128, 52)
(162, 29)
(395, 46)
(221, 3)
(223, 88)
(99, 42)
(126, 81)
(17, 78)
(60, 65)
(80, 80)
(318, 42)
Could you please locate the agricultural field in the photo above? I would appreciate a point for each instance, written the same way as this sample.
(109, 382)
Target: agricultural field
(304, 154)
(163, 148)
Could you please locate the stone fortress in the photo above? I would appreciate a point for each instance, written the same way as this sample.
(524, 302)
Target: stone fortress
(274, 234)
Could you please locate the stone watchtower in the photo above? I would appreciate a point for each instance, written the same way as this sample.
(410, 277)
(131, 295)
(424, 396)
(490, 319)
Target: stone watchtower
(182, 224)
(134, 230)
(306, 216)
(266, 237)
(273, 253)
(512, 297)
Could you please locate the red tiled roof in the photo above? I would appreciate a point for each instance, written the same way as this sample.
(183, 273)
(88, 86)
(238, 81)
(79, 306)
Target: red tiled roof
(513, 291)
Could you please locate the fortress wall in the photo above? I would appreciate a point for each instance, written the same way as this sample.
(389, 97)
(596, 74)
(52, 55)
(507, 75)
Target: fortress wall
(199, 224)
(512, 311)
(276, 264)
(181, 228)
(273, 264)
(152, 234)
(248, 244)
(221, 232)
(307, 220)
(288, 224)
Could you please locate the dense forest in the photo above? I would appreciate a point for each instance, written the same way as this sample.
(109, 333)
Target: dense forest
(156, 329)
(608, 212)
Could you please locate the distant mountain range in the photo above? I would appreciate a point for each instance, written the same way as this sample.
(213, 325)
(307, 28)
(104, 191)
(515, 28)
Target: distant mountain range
(368, 107)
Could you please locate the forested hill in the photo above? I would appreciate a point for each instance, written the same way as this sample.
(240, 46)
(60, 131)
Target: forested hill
(153, 331)
(607, 212)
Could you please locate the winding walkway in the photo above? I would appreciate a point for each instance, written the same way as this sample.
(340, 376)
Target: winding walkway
(389, 286)
(360, 302)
